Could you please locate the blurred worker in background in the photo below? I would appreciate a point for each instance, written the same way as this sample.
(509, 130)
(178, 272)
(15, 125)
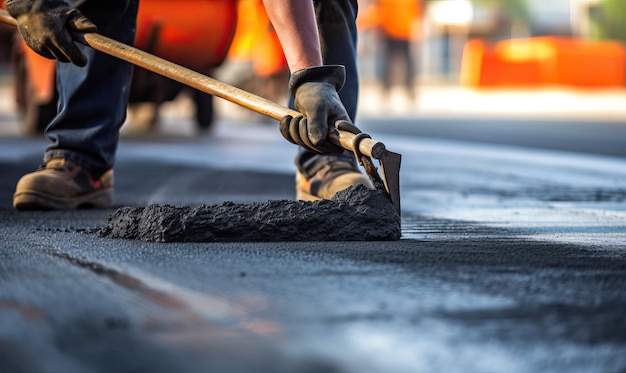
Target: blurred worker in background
(319, 42)
(256, 53)
(398, 25)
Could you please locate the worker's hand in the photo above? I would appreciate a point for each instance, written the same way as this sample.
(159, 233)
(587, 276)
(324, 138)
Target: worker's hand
(315, 92)
(45, 26)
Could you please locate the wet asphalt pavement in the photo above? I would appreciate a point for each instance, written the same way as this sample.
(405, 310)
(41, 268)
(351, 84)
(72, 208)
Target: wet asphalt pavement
(512, 259)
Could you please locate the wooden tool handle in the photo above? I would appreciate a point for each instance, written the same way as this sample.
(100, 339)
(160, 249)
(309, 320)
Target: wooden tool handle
(216, 88)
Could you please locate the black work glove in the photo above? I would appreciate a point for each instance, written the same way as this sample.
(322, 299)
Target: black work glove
(45, 26)
(315, 92)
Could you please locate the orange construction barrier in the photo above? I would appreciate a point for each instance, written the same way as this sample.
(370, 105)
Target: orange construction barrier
(542, 61)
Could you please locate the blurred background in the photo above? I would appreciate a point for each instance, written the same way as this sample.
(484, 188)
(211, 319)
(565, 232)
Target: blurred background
(563, 58)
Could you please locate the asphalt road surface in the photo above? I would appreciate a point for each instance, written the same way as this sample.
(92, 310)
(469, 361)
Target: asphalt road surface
(512, 260)
(572, 135)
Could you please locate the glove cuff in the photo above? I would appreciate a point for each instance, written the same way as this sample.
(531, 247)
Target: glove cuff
(17, 8)
(332, 74)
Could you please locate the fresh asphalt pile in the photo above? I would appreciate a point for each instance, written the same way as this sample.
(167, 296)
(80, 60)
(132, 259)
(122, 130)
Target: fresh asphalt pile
(355, 214)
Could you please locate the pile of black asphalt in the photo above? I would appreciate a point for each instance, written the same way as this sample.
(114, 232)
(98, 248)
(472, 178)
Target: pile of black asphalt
(355, 214)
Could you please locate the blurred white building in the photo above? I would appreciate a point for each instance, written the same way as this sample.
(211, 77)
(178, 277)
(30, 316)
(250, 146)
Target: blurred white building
(551, 17)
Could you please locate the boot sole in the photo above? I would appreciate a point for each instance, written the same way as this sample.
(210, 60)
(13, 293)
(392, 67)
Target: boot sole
(33, 200)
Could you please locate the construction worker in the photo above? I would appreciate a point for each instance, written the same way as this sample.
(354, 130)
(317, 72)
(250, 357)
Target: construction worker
(397, 23)
(319, 42)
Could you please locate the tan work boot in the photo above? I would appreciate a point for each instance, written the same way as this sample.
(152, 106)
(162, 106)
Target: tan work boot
(330, 179)
(61, 184)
